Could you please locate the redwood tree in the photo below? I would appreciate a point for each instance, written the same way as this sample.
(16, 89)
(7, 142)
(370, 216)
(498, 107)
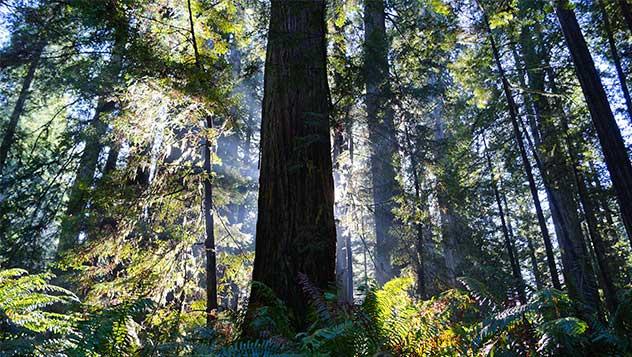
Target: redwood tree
(609, 134)
(296, 232)
(382, 136)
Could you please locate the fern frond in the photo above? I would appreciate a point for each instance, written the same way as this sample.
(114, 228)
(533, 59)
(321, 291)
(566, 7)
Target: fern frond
(265, 348)
(485, 298)
(316, 299)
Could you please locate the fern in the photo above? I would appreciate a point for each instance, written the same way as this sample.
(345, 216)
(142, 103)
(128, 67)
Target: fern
(114, 331)
(265, 348)
(485, 298)
(566, 332)
(26, 326)
(316, 299)
(273, 318)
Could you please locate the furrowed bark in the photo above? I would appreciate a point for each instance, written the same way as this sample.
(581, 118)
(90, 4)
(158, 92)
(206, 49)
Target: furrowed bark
(296, 232)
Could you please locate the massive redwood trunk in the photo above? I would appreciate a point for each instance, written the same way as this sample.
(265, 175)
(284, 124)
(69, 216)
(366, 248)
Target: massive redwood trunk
(612, 143)
(381, 135)
(296, 232)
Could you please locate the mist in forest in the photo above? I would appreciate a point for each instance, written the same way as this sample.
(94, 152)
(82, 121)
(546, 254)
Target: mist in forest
(317, 178)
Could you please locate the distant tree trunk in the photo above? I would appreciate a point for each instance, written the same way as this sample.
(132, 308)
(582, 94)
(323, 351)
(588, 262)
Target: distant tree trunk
(534, 262)
(228, 143)
(612, 143)
(616, 59)
(557, 177)
(209, 224)
(381, 135)
(113, 154)
(82, 186)
(349, 192)
(296, 232)
(449, 229)
(422, 284)
(601, 201)
(539, 281)
(513, 261)
(606, 269)
(345, 291)
(241, 214)
(18, 109)
(513, 115)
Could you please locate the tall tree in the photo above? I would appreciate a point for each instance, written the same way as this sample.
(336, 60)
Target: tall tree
(93, 133)
(509, 244)
(420, 231)
(616, 59)
(80, 191)
(556, 171)
(382, 135)
(296, 233)
(513, 116)
(448, 222)
(18, 109)
(609, 134)
(209, 224)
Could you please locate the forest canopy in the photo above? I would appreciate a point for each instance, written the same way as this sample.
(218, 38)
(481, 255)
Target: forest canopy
(315, 178)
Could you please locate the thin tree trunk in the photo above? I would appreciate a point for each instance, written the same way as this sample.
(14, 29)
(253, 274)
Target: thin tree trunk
(612, 143)
(241, 215)
(422, 289)
(448, 223)
(296, 232)
(556, 173)
(513, 262)
(349, 248)
(209, 224)
(534, 262)
(80, 191)
(513, 115)
(539, 282)
(616, 59)
(340, 210)
(11, 128)
(113, 154)
(381, 135)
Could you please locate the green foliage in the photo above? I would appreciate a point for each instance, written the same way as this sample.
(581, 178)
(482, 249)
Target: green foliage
(251, 349)
(389, 321)
(27, 322)
(114, 331)
(23, 298)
